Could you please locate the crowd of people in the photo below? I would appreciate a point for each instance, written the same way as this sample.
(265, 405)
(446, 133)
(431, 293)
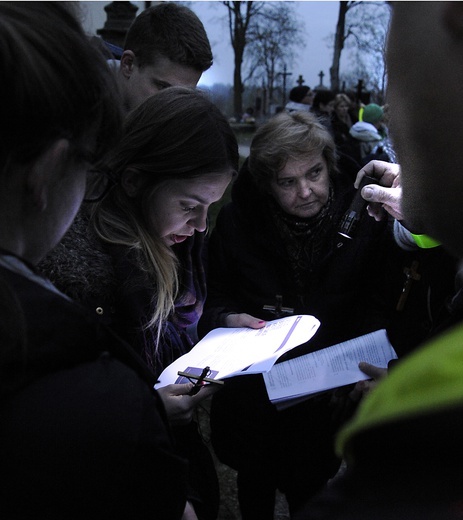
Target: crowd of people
(107, 275)
(359, 130)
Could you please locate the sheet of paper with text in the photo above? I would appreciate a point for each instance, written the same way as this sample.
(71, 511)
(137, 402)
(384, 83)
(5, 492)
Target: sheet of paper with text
(328, 368)
(240, 351)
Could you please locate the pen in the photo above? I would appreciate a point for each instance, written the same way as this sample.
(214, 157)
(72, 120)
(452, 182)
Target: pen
(200, 380)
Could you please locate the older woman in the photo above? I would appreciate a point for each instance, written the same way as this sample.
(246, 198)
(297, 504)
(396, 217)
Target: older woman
(276, 250)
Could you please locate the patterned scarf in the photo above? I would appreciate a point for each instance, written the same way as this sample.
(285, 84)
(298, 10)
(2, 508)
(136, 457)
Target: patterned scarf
(304, 238)
(189, 304)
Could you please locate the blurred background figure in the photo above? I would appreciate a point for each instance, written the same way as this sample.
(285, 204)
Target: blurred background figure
(300, 99)
(323, 107)
(368, 132)
(342, 122)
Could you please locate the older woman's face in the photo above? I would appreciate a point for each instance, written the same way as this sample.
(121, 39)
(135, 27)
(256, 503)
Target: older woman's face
(302, 187)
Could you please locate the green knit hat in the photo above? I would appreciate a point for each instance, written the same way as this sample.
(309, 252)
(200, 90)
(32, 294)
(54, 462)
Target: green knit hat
(372, 113)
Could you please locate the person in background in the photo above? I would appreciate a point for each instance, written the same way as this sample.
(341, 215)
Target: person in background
(323, 107)
(347, 147)
(165, 46)
(403, 448)
(300, 99)
(82, 432)
(248, 116)
(342, 122)
(276, 251)
(368, 132)
(135, 257)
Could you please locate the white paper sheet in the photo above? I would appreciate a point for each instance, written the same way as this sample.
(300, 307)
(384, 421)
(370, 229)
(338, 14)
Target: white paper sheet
(239, 351)
(328, 368)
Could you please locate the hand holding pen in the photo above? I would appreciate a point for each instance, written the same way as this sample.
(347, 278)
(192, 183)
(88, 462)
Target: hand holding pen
(201, 380)
(180, 400)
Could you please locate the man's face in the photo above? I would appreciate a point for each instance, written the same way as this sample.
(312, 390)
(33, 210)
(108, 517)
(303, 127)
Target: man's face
(425, 65)
(141, 83)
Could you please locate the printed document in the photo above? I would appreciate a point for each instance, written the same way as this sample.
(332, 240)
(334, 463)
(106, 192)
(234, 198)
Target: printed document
(239, 351)
(328, 368)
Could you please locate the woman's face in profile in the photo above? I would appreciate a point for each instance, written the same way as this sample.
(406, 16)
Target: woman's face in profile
(178, 208)
(302, 187)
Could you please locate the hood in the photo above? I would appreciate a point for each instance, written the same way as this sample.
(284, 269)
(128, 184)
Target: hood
(293, 106)
(365, 132)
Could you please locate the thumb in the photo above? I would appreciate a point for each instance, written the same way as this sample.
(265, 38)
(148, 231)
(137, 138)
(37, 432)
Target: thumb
(372, 371)
(205, 392)
(179, 389)
(374, 193)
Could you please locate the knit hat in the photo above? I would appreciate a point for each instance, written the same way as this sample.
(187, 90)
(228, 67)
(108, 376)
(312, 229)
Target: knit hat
(372, 113)
(297, 94)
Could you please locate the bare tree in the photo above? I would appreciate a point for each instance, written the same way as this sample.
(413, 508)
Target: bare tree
(240, 15)
(367, 45)
(273, 36)
(343, 32)
(362, 27)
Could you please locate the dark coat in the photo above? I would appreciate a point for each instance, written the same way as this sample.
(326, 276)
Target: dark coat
(108, 282)
(355, 286)
(351, 287)
(82, 432)
(348, 287)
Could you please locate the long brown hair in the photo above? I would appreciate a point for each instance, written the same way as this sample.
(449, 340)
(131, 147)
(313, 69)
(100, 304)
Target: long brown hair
(176, 134)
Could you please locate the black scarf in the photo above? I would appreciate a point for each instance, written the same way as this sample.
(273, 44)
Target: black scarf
(304, 238)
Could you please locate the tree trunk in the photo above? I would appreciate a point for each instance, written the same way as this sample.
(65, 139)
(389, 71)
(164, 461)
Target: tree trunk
(238, 24)
(237, 78)
(338, 45)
